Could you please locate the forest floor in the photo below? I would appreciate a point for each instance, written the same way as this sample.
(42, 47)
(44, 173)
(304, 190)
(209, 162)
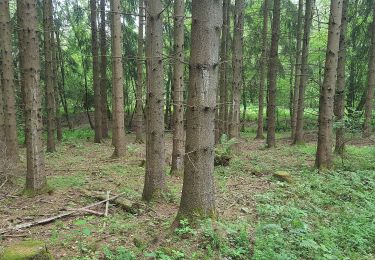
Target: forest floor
(327, 215)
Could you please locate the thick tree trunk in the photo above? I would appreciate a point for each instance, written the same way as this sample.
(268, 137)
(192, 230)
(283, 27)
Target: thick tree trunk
(117, 79)
(297, 75)
(298, 138)
(237, 67)
(139, 87)
(95, 72)
(223, 88)
(178, 89)
(49, 84)
(369, 103)
(103, 70)
(7, 82)
(198, 196)
(155, 154)
(272, 76)
(30, 72)
(324, 151)
(262, 70)
(339, 104)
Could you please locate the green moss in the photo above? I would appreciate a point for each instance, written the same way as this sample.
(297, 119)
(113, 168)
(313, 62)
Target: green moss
(35, 192)
(27, 250)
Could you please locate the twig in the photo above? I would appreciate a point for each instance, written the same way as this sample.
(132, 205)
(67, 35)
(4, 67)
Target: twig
(88, 211)
(6, 180)
(62, 215)
(106, 205)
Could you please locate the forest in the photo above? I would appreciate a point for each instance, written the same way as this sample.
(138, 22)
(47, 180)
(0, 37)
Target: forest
(197, 129)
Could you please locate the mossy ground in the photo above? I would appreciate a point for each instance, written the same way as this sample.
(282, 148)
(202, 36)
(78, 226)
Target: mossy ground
(317, 216)
(27, 250)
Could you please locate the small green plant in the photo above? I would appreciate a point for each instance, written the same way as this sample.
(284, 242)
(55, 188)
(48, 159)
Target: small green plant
(121, 253)
(223, 151)
(184, 229)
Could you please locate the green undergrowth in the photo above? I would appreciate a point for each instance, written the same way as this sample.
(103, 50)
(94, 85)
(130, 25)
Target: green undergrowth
(327, 215)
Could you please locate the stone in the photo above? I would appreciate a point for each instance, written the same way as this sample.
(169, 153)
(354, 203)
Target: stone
(283, 176)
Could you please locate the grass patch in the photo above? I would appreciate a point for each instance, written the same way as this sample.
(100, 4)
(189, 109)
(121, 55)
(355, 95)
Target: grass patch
(68, 181)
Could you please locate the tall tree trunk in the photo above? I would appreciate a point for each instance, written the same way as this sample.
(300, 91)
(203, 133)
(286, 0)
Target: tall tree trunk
(237, 67)
(369, 103)
(2, 126)
(59, 133)
(103, 70)
(223, 88)
(178, 89)
(262, 70)
(30, 72)
(139, 87)
(198, 192)
(327, 92)
(117, 79)
(95, 72)
(297, 75)
(339, 103)
(49, 84)
(298, 138)
(62, 87)
(272, 76)
(155, 154)
(7, 82)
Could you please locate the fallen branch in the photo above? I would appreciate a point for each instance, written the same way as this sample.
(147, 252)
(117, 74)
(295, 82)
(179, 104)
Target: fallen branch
(50, 219)
(6, 180)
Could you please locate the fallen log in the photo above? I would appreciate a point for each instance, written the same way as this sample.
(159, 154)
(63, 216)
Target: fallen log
(53, 218)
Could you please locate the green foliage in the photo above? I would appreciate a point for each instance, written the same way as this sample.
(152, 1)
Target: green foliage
(326, 216)
(224, 148)
(121, 253)
(67, 181)
(184, 228)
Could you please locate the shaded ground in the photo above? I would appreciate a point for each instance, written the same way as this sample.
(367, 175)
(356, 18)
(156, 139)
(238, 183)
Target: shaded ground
(81, 165)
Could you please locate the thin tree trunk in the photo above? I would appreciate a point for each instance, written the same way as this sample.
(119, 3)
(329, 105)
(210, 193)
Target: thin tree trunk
(369, 103)
(7, 83)
(272, 76)
(262, 71)
(339, 104)
(2, 126)
(55, 62)
(198, 192)
(30, 72)
(95, 72)
(49, 84)
(103, 70)
(178, 89)
(298, 138)
(155, 154)
(237, 67)
(117, 79)
(223, 91)
(324, 151)
(62, 87)
(297, 75)
(139, 87)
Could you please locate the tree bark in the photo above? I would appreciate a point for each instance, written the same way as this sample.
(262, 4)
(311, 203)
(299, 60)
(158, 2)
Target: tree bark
(30, 72)
(117, 79)
(298, 138)
(178, 89)
(272, 76)
(59, 133)
(262, 70)
(139, 87)
(324, 151)
(369, 103)
(95, 72)
(155, 154)
(7, 83)
(223, 88)
(2, 126)
(339, 103)
(49, 84)
(103, 70)
(198, 196)
(237, 67)
(297, 75)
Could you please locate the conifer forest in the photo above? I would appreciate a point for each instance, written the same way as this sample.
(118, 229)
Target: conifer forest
(187, 129)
